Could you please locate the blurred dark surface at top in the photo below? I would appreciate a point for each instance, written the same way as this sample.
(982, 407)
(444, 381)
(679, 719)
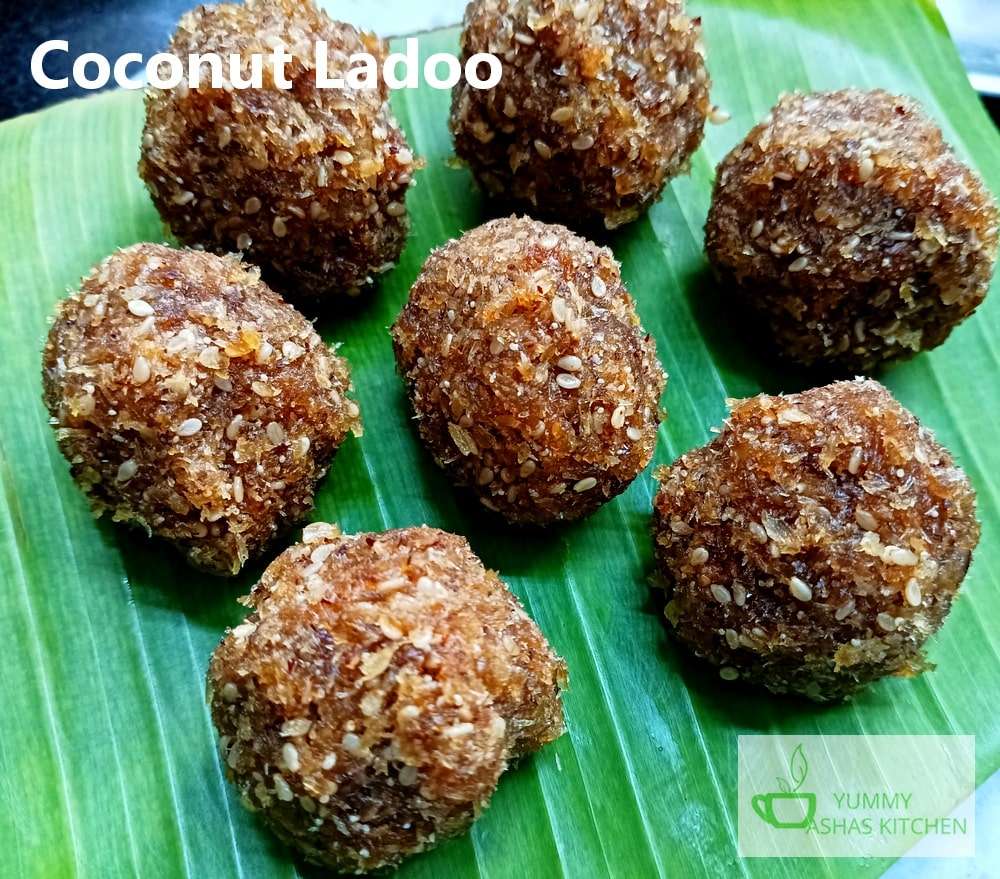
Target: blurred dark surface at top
(111, 27)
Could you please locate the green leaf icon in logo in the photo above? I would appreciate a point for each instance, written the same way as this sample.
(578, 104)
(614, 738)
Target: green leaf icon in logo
(786, 808)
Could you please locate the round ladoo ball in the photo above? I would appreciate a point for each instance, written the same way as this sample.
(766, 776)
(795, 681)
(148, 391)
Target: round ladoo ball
(599, 104)
(816, 543)
(531, 379)
(191, 400)
(308, 183)
(846, 222)
(381, 685)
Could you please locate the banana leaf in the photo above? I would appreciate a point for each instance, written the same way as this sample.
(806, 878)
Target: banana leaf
(108, 765)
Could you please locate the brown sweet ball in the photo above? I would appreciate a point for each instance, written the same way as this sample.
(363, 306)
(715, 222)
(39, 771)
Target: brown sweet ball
(816, 543)
(308, 183)
(382, 684)
(848, 224)
(599, 104)
(192, 401)
(530, 376)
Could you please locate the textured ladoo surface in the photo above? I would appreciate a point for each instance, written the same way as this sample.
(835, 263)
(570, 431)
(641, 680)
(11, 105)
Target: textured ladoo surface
(532, 381)
(192, 401)
(848, 224)
(381, 685)
(309, 183)
(598, 106)
(816, 543)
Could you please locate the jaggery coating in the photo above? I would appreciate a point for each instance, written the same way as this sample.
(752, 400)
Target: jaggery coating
(531, 379)
(816, 543)
(309, 183)
(381, 685)
(191, 400)
(848, 225)
(599, 105)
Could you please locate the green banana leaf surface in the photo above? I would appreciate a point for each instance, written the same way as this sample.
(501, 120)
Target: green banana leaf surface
(108, 762)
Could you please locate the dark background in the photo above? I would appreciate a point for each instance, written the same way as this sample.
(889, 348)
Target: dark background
(111, 27)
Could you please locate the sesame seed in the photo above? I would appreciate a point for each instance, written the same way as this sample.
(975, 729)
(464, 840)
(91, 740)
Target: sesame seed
(567, 381)
(543, 149)
(845, 610)
(802, 160)
(718, 116)
(290, 756)
(855, 461)
(279, 228)
(238, 489)
(404, 156)
(352, 743)
(343, 157)
(243, 241)
(598, 287)
(189, 427)
(291, 351)
(583, 142)
(757, 532)
(886, 622)
(720, 593)
(559, 310)
(183, 197)
(251, 205)
(698, 555)
(634, 434)
(912, 592)
(798, 265)
(282, 790)
(865, 519)
(739, 595)
(408, 775)
(329, 761)
(756, 228)
(140, 370)
(866, 167)
(585, 484)
(570, 362)
(561, 114)
(527, 468)
(618, 417)
(395, 209)
(225, 136)
(275, 433)
(485, 476)
(524, 39)
(140, 308)
(233, 428)
(898, 555)
(728, 673)
(800, 589)
(126, 470)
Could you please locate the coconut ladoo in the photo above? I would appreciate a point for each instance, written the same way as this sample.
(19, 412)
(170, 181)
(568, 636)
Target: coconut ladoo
(309, 183)
(380, 686)
(599, 105)
(192, 401)
(532, 381)
(849, 226)
(816, 543)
